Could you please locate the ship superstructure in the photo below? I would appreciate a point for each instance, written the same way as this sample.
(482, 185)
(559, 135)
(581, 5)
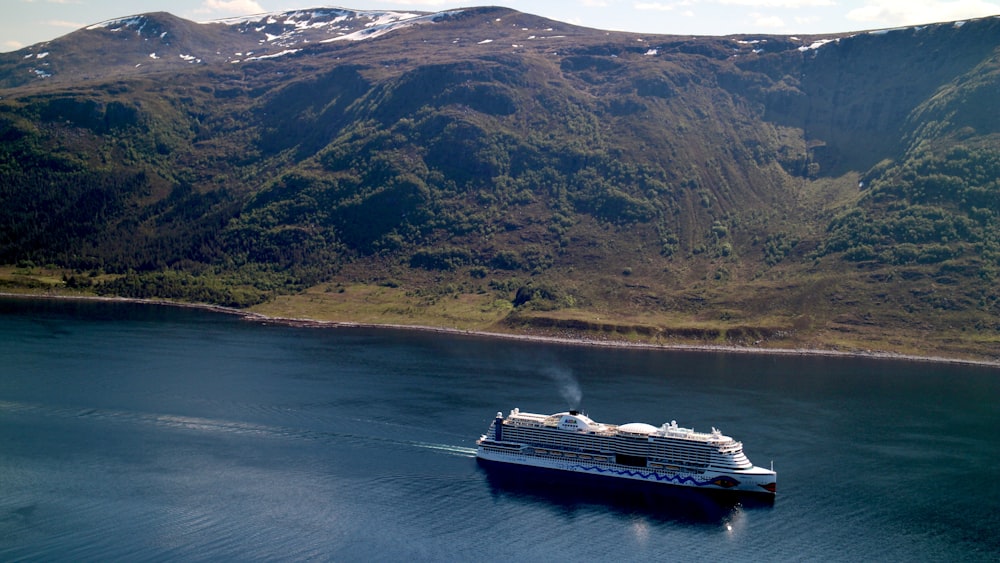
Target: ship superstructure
(670, 454)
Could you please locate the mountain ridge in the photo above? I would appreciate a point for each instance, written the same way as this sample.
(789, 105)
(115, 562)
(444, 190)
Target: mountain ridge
(493, 169)
(275, 33)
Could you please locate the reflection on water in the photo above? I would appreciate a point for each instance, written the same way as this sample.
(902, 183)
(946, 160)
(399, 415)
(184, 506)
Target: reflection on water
(571, 494)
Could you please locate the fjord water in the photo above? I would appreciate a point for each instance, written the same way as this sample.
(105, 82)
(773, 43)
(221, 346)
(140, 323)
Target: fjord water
(133, 432)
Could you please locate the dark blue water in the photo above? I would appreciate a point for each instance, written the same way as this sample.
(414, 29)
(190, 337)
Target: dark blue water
(132, 432)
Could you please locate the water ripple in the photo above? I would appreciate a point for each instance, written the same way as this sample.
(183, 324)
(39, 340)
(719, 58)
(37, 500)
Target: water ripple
(221, 426)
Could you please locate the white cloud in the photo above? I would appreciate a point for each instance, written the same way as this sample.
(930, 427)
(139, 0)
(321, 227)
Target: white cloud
(11, 45)
(894, 13)
(421, 3)
(653, 6)
(230, 7)
(64, 24)
(769, 22)
(787, 4)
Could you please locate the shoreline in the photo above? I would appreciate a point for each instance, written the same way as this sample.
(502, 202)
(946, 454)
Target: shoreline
(315, 323)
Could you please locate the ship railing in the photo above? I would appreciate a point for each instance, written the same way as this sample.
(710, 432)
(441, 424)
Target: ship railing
(693, 436)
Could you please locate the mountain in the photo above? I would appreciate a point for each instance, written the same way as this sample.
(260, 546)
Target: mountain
(152, 43)
(485, 168)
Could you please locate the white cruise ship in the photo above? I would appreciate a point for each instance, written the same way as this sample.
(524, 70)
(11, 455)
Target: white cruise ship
(570, 441)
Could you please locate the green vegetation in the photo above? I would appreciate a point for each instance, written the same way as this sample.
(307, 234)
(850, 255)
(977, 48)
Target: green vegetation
(931, 208)
(576, 187)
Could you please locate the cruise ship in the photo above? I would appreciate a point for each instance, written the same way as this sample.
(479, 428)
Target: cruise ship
(669, 454)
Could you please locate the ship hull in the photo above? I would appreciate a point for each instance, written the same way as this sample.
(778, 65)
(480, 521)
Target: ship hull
(755, 481)
(656, 501)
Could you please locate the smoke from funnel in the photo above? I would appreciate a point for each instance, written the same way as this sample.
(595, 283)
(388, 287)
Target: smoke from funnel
(569, 387)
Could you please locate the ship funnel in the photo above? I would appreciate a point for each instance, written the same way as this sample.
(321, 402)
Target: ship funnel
(498, 427)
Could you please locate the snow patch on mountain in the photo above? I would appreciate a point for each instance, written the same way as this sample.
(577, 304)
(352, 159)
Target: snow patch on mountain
(381, 26)
(274, 55)
(289, 29)
(118, 24)
(817, 44)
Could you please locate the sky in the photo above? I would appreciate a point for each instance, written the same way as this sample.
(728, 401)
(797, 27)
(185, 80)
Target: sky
(26, 22)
